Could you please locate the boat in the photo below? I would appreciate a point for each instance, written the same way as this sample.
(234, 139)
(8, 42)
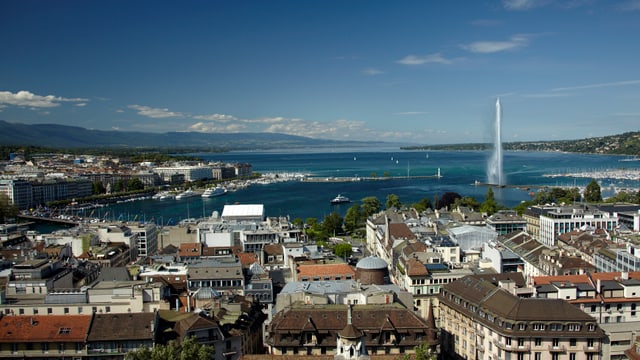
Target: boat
(340, 199)
(164, 195)
(213, 192)
(186, 194)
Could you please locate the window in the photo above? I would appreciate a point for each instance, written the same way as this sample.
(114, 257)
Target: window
(572, 342)
(555, 342)
(64, 331)
(537, 356)
(66, 310)
(633, 309)
(49, 311)
(522, 326)
(107, 309)
(572, 356)
(520, 342)
(21, 311)
(35, 311)
(538, 341)
(590, 343)
(507, 341)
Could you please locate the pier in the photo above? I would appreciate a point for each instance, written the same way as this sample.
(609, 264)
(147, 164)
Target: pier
(49, 219)
(367, 178)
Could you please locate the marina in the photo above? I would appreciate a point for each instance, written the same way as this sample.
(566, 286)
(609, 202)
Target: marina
(296, 184)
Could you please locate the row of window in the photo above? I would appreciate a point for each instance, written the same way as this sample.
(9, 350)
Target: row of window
(66, 310)
(521, 325)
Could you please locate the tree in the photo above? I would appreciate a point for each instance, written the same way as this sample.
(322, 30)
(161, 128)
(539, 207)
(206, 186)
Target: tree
(592, 192)
(7, 209)
(188, 349)
(98, 188)
(393, 202)
(135, 184)
(298, 223)
(370, 206)
(352, 218)
(448, 199)
(119, 186)
(312, 228)
(467, 201)
(422, 205)
(343, 250)
(332, 224)
(489, 205)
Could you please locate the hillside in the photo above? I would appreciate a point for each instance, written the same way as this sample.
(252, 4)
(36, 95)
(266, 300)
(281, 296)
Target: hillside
(622, 144)
(62, 136)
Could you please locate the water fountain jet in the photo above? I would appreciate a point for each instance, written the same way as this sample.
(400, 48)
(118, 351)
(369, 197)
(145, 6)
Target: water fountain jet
(494, 166)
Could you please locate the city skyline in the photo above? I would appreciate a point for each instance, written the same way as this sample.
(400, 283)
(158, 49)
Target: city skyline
(414, 72)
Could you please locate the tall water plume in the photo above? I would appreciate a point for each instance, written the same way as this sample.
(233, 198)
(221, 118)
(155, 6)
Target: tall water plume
(494, 167)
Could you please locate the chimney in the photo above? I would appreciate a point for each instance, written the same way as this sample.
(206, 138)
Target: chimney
(598, 286)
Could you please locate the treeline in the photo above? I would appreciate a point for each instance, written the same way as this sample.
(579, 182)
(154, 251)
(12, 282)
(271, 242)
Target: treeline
(623, 144)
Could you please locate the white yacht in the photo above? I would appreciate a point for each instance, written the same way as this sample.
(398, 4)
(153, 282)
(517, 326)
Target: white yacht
(213, 192)
(186, 194)
(340, 199)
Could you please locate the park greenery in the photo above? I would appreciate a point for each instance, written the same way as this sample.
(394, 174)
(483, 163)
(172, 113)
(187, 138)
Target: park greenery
(188, 349)
(8, 211)
(354, 221)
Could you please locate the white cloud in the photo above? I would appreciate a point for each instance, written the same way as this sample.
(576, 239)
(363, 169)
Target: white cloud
(372, 71)
(215, 117)
(155, 113)
(485, 47)
(522, 4)
(31, 100)
(424, 59)
(81, 104)
(598, 85)
(631, 5)
(214, 128)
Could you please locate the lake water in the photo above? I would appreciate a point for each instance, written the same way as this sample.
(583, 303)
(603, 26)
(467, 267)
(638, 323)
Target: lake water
(459, 171)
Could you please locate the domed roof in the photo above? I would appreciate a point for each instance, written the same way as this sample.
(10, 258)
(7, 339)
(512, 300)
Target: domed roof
(371, 263)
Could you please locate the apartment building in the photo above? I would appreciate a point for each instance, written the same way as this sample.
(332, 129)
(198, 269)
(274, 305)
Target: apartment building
(612, 299)
(482, 317)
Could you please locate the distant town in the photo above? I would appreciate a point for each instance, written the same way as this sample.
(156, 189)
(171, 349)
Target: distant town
(554, 278)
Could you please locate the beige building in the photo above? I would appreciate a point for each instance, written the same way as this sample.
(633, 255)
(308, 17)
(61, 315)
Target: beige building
(482, 318)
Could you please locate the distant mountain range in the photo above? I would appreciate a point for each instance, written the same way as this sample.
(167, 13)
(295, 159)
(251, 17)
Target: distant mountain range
(63, 136)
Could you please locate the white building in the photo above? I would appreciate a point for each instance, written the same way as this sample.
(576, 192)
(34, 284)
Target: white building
(191, 173)
(567, 218)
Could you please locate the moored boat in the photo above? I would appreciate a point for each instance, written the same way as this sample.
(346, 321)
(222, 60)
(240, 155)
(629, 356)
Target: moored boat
(186, 194)
(213, 192)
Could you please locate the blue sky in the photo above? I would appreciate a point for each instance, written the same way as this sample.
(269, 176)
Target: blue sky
(425, 72)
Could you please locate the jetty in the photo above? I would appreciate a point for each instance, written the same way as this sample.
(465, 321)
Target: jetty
(366, 178)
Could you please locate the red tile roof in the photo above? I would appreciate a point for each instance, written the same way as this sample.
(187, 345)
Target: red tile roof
(190, 249)
(44, 328)
(325, 270)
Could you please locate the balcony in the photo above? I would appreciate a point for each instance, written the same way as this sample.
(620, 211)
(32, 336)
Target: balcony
(591, 349)
(557, 349)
